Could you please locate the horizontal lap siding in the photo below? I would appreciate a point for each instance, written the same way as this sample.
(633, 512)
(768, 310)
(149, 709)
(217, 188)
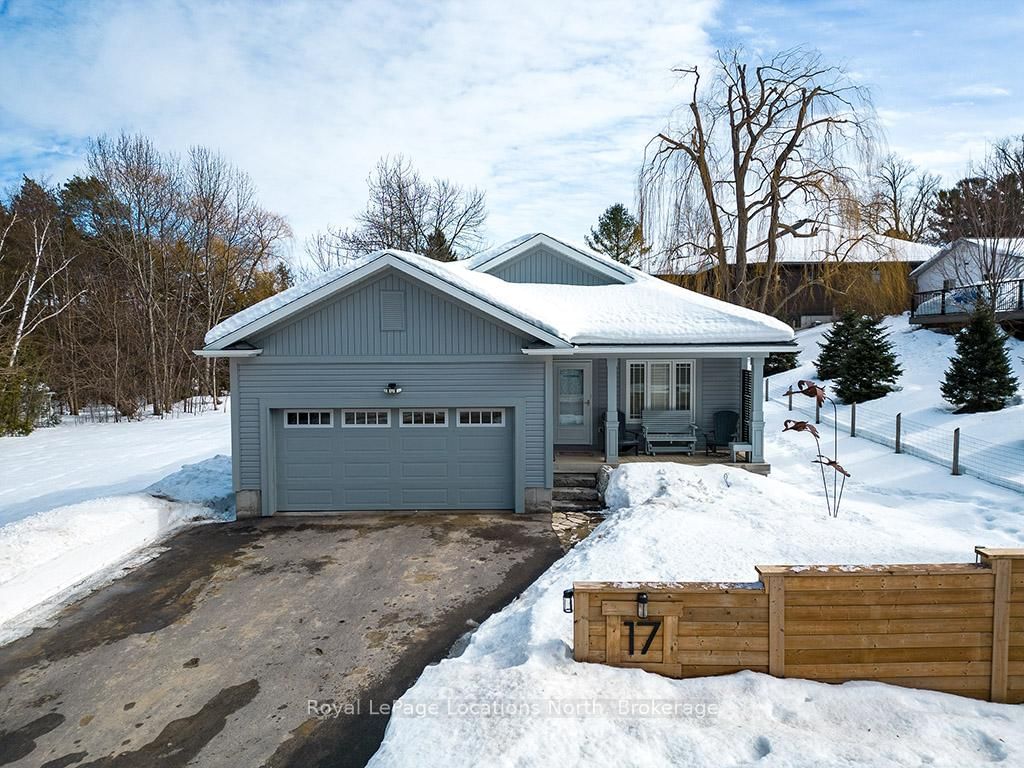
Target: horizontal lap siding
(719, 389)
(358, 384)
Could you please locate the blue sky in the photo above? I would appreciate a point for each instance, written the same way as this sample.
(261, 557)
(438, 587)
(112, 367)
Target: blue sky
(546, 105)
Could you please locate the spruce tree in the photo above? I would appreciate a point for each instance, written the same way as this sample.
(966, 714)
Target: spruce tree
(979, 377)
(869, 368)
(618, 235)
(779, 362)
(835, 343)
(438, 247)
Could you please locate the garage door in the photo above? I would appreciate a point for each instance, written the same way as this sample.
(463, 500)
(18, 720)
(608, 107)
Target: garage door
(380, 459)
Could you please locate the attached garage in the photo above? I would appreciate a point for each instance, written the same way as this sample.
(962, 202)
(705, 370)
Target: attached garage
(351, 459)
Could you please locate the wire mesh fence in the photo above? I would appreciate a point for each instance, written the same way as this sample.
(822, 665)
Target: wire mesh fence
(959, 452)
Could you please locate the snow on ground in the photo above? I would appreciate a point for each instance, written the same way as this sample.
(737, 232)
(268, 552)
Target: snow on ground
(925, 355)
(672, 522)
(79, 505)
(69, 463)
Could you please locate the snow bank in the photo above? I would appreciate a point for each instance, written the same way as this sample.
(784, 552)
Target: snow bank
(49, 557)
(673, 522)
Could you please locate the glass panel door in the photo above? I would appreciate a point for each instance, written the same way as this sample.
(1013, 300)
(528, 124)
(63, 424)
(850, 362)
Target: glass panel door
(570, 396)
(572, 404)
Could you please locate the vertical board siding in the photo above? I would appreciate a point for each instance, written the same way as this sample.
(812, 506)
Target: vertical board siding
(350, 325)
(424, 384)
(541, 264)
(946, 627)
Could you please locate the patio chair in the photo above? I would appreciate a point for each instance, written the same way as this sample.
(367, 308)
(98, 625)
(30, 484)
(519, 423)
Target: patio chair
(629, 439)
(725, 430)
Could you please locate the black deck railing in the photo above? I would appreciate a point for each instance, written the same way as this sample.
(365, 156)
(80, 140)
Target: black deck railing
(1005, 296)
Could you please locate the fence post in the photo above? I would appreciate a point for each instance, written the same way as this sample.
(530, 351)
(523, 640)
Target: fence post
(789, 394)
(817, 412)
(956, 451)
(766, 382)
(899, 431)
(775, 585)
(853, 420)
(942, 305)
(1020, 295)
(1002, 563)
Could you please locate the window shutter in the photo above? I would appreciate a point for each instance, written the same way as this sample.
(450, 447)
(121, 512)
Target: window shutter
(748, 404)
(392, 310)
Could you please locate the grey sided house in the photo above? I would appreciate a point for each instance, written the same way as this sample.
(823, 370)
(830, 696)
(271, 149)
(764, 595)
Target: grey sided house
(398, 382)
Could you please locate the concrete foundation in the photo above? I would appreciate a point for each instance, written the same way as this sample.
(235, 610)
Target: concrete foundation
(538, 500)
(247, 504)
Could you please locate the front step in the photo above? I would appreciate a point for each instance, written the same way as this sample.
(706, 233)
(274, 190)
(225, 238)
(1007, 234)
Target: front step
(576, 492)
(562, 493)
(575, 480)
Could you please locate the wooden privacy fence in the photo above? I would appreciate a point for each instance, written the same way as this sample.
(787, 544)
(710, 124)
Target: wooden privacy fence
(956, 628)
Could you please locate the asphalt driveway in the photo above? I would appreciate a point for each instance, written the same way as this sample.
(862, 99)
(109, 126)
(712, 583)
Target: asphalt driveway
(210, 654)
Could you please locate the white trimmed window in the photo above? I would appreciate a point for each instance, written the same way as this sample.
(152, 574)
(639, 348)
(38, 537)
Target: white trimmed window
(658, 385)
(424, 417)
(481, 417)
(365, 417)
(306, 419)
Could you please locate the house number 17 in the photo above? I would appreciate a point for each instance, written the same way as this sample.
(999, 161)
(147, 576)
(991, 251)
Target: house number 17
(632, 625)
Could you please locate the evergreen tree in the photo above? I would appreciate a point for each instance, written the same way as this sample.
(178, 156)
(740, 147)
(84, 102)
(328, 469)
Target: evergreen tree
(979, 377)
(836, 343)
(869, 368)
(779, 362)
(438, 247)
(618, 235)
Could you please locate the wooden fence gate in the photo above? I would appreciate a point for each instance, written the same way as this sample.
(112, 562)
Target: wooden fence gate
(956, 628)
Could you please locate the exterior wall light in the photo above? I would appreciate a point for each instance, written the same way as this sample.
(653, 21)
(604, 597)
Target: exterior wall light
(392, 389)
(641, 605)
(567, 601)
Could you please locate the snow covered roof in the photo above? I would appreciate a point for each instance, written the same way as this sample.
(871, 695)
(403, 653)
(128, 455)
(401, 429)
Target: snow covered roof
(645, 310)
(835, 247)
(1010, 247)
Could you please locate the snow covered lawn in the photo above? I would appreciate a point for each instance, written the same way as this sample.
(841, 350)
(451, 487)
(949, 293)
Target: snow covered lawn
(80, 504)
(672, 522)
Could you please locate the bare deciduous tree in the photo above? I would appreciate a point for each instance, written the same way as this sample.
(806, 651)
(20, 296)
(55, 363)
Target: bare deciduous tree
(901, 199)
(437, 218)
(767, 151)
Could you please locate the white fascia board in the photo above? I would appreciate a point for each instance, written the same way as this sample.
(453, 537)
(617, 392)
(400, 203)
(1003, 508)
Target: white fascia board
(384, 261)
(566, 250)
(671, 349)
(227, 352)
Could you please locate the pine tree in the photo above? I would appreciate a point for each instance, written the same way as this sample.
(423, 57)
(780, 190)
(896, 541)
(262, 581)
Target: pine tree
(438, 247)
(869, 368)
(779, 362)
(618, 235)
(836, 343)
(979, 377)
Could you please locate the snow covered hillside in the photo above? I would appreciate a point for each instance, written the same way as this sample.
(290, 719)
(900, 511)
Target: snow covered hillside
(671, 522)
(79, 504)
(924, 356)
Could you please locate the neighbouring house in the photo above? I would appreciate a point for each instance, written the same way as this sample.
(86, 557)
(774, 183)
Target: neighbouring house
(817, 278)
(949, 285)
(399, 382)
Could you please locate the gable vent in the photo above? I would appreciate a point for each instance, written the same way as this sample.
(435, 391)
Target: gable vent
(392, 310)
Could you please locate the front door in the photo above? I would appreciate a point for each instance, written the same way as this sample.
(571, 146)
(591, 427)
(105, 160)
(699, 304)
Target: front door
(572, 409)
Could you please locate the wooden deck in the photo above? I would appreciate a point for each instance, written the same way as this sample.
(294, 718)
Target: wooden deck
(590, 461)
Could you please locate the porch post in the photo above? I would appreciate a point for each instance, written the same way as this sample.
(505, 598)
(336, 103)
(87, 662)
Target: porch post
(757, 409)
(611, 417)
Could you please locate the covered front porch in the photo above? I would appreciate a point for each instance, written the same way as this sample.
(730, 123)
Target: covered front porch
(597, 404)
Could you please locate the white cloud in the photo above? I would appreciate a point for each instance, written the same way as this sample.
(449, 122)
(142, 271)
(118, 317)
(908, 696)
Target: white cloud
(546, 105)
(980, 91)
